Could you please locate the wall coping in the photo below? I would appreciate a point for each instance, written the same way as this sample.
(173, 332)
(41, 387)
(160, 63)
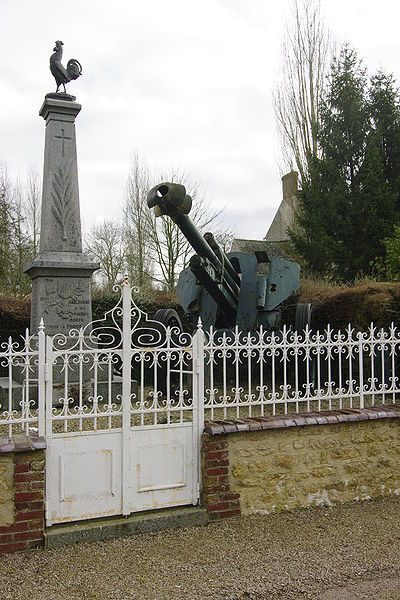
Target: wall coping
(331, 417)
(21, 442)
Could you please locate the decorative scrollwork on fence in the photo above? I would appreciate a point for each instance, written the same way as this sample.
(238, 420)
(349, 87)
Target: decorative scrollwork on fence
(279, 372)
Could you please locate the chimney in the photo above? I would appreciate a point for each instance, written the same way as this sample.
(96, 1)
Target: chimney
(290, 185)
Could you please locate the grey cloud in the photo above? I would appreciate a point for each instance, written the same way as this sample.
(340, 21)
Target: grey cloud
(188, 84)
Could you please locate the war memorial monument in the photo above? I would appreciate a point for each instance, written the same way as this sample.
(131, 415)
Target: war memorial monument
(61, 273)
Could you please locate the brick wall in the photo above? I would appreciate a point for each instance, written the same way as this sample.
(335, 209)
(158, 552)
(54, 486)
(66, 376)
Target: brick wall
(217, 496)
(22, 481)
(274, 464)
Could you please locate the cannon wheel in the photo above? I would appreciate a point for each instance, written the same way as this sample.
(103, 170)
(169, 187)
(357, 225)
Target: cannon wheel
(169, 318)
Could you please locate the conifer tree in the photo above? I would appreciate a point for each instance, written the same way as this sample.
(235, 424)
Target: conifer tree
(349, 203)
(385, 113)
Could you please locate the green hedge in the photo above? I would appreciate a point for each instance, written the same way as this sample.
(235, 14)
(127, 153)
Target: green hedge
(15, 313)
(358, 304)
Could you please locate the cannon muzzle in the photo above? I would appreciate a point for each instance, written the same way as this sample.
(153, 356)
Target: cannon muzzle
(169, 199)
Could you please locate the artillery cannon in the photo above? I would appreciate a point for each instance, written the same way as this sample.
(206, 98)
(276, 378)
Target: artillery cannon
(225, 290)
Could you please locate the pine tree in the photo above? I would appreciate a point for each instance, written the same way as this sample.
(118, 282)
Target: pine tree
(349, 202)
(385, 113)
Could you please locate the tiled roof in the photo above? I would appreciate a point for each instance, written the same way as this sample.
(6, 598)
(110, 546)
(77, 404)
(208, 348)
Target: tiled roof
(277, 249)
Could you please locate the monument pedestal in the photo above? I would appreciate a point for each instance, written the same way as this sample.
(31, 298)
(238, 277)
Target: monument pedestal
(61, 293)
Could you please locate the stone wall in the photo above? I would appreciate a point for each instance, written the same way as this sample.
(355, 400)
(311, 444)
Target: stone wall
(6, 490)
(22, 481)
(275, 464)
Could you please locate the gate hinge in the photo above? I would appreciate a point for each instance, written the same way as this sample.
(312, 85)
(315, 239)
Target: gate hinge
(46, 372)
(198, 490)
(196, 365)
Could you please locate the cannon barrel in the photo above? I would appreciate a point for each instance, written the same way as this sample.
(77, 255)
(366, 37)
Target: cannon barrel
(216, 248)
(171, 199)
(227, 302)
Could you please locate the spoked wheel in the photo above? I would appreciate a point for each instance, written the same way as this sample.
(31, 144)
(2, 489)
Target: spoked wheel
(168, 317)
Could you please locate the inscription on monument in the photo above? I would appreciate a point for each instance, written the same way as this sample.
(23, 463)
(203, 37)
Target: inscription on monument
(65, 303)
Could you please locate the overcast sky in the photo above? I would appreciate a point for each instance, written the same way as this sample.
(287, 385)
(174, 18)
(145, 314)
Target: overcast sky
(187, 83)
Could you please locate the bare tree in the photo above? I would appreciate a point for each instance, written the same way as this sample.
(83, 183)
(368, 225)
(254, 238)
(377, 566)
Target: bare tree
(22, 250)
(171, 248)
(14, 240)
(139, 252)
(5, 226)
(225, 237)
(33, 207)
(156, 249)
(307, 52)
(105, 243)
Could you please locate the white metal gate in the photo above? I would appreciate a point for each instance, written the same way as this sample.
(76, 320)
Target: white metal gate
(121, 402)
(123, 417)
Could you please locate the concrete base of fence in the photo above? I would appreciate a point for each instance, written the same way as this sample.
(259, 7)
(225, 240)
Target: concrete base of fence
(271, 464)
(22, 481)
(111, 528)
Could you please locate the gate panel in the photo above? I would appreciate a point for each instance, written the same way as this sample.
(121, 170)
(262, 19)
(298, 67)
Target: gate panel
(84, 476)
(162, 464)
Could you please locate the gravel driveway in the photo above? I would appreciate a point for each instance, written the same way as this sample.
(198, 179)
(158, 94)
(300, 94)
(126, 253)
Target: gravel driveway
(349, 552)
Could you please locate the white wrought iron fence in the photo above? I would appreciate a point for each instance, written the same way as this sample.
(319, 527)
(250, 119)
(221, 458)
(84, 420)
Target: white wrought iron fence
(268, 373)
(237, 374)
(143, 361)
(22, 365)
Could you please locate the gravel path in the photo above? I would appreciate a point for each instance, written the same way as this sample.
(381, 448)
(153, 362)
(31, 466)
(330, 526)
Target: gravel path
(349, 552)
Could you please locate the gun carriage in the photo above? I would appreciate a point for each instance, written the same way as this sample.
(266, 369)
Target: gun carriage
(226, 290)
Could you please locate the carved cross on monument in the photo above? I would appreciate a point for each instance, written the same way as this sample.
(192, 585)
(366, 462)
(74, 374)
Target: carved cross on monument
(63, 138)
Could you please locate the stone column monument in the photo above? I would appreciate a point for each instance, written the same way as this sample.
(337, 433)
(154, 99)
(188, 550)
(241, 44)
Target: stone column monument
(61, 273)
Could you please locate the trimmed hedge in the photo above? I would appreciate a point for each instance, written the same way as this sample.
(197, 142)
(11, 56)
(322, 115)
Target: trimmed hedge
(358, 304)
(15, 312)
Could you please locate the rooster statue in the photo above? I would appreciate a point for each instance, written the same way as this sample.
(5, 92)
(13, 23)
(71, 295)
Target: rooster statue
(62, 75)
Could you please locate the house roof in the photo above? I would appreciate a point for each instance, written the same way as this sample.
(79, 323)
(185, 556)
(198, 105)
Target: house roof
(278, 249)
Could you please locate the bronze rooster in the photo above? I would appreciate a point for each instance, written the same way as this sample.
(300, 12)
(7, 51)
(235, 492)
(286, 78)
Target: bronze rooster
(60, 74)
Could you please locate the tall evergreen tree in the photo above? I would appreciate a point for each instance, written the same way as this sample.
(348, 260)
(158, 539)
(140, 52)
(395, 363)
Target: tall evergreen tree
(385, 113)
(348, 203)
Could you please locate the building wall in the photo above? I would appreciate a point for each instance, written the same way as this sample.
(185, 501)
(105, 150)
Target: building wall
(287, 467)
